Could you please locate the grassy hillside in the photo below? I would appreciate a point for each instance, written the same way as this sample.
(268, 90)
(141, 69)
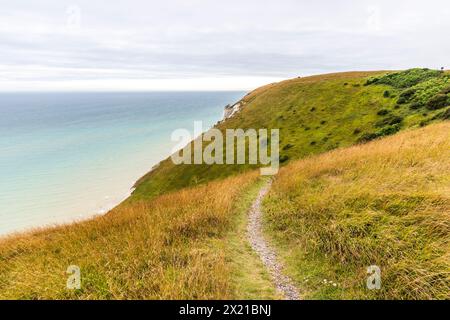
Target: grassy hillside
(386, 203)
(316, 114)
(184, 245)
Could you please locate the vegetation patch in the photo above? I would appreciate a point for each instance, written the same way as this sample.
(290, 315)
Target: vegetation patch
(383, 112)
(389, 121)
(439, 101)
(349, 113)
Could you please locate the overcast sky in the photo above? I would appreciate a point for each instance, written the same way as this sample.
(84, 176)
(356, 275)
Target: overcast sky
(211, 45)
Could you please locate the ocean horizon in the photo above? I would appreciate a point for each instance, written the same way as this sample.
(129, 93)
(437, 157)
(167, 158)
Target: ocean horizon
(66, 157)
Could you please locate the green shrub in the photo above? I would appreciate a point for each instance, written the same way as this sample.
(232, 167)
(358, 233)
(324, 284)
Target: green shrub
(401, 100)
(446, 90)
(405, 79)
(357, 131)
(439, 101)
(387, 94)
(424, 123)
(416, 105)
(284, 158)
(408, 94)
(386, 131)
(288, 146)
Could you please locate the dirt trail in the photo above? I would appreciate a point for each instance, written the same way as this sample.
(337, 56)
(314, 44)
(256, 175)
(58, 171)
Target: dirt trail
(268, 256)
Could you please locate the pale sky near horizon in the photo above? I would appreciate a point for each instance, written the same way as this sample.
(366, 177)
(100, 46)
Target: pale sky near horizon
(210, 45)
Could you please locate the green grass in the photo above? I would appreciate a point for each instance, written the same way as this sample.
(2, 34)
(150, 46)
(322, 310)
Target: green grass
(314, 114)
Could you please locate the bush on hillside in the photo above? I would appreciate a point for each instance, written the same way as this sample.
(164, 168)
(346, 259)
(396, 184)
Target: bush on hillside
(385, 131)
(401, 100)
(407, 94)
(428, 89)
(389, 130)
(424, 123)
(446, 114)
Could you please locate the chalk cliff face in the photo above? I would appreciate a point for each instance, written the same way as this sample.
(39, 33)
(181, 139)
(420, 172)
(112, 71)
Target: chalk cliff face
(230, 110)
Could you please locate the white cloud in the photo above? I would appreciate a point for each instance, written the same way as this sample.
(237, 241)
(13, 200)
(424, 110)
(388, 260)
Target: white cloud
(183, 44)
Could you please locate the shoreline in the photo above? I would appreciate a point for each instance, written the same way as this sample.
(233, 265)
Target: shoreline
(101, 210)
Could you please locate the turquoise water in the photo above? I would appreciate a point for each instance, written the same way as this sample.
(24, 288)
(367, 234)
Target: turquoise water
(68, 156)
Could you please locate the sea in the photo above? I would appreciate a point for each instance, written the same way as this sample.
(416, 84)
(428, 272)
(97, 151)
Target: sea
(66, 157)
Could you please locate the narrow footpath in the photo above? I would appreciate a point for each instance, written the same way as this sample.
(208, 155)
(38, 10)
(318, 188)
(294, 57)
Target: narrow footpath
(268, 256)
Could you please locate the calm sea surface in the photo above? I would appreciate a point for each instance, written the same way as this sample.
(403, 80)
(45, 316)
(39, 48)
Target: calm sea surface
(68, 156)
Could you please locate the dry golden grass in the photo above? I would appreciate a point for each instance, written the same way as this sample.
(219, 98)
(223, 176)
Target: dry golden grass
(171, 247)
(386, 203)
